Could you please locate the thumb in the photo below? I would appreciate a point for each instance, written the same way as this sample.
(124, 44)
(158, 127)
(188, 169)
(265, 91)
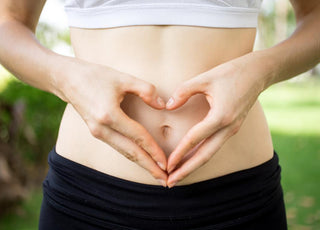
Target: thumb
(147, 92)
(182, 94)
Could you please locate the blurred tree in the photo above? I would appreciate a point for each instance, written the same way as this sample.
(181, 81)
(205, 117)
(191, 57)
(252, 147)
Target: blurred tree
(12, 171)
(29, 120)
(281, 22)
(277, 23)
(50, 36)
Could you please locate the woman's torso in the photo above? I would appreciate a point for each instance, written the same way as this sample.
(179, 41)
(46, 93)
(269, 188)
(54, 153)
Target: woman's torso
(165, 56)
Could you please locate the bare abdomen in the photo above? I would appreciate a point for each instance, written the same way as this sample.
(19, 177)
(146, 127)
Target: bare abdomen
(165, 56)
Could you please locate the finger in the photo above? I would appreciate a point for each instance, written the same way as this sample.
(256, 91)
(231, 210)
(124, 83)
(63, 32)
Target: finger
(202, 156)
(194, 136)
(146, 91)
(133, 152)
(189, 88)
(139, 135)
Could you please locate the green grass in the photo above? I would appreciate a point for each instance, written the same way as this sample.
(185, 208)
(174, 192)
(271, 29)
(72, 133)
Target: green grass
(293, 113)
(293, 107)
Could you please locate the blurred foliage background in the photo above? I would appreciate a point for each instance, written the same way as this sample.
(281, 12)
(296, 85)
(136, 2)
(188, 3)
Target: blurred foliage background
(29, 122)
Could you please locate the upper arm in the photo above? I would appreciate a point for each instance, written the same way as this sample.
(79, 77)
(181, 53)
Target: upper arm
(24, 11)
(302, 7)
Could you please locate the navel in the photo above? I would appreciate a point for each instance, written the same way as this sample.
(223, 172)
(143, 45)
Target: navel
(165, 129)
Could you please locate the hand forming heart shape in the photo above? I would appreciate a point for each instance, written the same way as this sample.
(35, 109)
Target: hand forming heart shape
(230, 89)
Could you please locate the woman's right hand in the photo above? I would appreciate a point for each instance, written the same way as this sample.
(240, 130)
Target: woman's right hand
(96, 92)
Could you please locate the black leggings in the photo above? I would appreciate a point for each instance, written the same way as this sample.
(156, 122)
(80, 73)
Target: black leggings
(78, 197)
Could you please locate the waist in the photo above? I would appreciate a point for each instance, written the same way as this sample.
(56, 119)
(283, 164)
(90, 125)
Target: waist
(164, 56)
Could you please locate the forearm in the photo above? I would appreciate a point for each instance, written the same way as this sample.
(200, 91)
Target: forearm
(28, 60)
(295, 55)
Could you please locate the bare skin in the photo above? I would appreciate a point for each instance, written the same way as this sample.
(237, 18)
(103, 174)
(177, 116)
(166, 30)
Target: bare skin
(159, 55)
(115, 121)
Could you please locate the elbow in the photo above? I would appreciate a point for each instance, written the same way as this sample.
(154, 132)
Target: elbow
(4, 20)
(302, 13)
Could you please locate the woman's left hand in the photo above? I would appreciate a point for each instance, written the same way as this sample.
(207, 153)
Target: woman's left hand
(231, 89)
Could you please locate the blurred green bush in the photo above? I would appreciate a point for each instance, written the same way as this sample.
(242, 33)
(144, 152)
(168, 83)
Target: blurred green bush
(41, 116)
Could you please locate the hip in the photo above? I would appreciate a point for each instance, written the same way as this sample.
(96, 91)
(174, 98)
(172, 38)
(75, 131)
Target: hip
(77, 197)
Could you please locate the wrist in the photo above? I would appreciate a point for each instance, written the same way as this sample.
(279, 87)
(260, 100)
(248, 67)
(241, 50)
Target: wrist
(262, 66)
(268, 67)
(60, 74)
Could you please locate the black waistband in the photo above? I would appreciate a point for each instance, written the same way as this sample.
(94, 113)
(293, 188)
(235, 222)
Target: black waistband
(81, 191)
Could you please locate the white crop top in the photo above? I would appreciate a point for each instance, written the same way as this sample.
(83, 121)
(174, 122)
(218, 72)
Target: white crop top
(208, 13)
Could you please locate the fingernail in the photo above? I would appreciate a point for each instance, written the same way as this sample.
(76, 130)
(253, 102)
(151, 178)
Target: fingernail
(160, 101)
(162, 182)
(172, 184)
(161, 165)
(170, 102)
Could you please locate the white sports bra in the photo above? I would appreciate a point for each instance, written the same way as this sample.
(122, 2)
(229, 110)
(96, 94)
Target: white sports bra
(208, 13)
